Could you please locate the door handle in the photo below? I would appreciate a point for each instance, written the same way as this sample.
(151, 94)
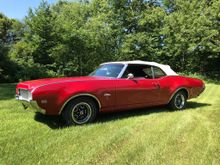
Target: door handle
(156, 84)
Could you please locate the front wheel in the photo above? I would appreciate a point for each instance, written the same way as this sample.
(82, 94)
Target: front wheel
(178, 102)
(80, 111)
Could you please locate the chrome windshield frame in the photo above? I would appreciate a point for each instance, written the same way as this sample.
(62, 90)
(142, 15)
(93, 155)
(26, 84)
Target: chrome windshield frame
(122, 70)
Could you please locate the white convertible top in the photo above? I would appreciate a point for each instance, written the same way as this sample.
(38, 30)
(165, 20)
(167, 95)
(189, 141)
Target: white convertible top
(165, 68)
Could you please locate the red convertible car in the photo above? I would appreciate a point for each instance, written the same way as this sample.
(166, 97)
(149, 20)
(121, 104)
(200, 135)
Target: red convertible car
(113, 86)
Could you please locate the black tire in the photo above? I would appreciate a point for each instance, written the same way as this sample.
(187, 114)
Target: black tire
(80, 111)
(179, 100)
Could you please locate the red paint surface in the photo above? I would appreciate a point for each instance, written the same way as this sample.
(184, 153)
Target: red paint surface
(125, 93)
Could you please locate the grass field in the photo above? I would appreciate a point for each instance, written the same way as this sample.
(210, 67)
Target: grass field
(147, 136)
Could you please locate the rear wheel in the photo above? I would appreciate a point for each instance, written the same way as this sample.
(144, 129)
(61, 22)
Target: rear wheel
(178, 102)
(80, 111)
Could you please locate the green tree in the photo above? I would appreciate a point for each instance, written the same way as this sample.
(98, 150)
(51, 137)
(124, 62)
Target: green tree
(7, 37)
(87, 37)
(40, 31)
(191, 35)
(33, 52)
(72, 38)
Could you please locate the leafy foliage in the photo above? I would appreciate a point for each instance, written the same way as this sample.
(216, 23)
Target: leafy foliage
(191, 37)
(72, 38)
(7, 37)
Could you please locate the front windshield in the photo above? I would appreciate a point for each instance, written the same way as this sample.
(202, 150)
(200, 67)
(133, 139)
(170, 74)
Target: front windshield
(108, 70)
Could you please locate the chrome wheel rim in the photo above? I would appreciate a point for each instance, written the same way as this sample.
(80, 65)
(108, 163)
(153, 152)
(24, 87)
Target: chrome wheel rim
(81, 113)
(179, 101)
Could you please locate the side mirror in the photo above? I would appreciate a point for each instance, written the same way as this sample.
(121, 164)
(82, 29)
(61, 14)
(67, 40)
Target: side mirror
(130, 76)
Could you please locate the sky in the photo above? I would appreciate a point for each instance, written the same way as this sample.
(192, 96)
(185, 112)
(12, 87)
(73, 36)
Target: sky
(19, 8)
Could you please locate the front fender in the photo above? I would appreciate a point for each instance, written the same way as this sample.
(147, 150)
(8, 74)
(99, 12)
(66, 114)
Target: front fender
(53, 97)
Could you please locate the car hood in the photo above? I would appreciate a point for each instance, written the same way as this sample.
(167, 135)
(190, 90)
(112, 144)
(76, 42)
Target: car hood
(41, 82)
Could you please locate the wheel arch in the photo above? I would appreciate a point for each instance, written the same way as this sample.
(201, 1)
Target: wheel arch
(87, 95)
(180, 89)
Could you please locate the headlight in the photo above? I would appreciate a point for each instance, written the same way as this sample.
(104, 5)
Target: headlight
(25, 95)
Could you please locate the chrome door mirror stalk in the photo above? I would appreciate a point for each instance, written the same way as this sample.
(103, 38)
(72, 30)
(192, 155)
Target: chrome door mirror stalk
(130, 76)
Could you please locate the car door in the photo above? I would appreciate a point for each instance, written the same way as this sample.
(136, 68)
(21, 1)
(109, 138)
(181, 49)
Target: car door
(159, 76)
(142, 90)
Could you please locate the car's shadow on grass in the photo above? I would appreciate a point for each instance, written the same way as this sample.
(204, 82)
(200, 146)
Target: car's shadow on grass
(194, 105)
(56, 122)
(105, 117)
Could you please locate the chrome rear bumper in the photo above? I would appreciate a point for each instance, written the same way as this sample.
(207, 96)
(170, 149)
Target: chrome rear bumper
(32, 104)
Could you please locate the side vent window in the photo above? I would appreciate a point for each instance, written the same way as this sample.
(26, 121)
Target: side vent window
(158, 72)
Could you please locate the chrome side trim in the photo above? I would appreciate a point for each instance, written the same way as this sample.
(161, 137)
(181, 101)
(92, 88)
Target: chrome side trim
(177, 91)
(81, 94)
(107, 94)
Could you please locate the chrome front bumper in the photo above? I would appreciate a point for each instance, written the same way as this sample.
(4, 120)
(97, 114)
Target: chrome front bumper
(32, 104)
